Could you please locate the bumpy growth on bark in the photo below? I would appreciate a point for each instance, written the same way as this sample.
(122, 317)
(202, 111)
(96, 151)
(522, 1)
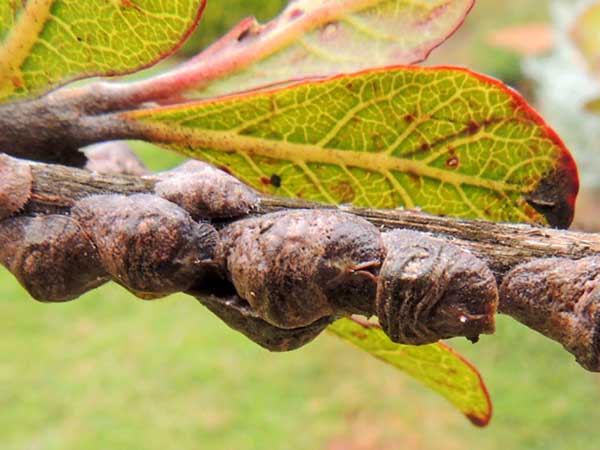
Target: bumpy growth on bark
(15, 185)
(281, 277)
(297, 267)
(429, 290)
(560, 298)
(205, 192)
(51, 256)
(148, 244)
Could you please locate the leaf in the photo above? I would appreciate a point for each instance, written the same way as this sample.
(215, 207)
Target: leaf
(437, 366)
(442, 139)
(323, 38)
(45, 43)
(586, 36)
(317, 38)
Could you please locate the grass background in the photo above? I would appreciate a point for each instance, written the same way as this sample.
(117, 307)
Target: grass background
(112, 372)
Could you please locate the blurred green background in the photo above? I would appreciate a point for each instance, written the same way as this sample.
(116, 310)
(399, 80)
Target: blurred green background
(112, 372)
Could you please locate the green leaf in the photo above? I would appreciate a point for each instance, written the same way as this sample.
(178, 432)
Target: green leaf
(317, 38)
(442, 139)
(586, 36)
(436, 365)
(45, 43)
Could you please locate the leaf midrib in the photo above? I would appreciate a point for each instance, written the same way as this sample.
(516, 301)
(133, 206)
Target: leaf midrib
(380, 162)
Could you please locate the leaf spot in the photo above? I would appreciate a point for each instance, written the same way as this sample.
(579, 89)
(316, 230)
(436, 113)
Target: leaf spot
(453, 162)
(17, 82)
(378, 142)
(275, 180)
(473, 128)
(343, 191)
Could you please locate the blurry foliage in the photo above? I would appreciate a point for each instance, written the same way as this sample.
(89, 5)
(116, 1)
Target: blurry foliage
(586, 34)
(564, 84)
(470, 46)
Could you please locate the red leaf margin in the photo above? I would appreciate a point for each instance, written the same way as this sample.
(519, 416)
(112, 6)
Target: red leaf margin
(562, 185)
(184, 37)
(477, 420)
(450, 34)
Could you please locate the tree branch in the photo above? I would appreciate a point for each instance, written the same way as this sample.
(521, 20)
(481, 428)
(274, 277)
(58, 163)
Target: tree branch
(447, 274)
(503, 246)
(54, 128)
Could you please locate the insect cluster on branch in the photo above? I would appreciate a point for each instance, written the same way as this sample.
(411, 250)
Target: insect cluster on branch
(281, 278)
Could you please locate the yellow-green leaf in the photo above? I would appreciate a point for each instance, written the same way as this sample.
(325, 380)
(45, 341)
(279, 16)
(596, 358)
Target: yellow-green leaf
(436, 365)
(44, 43)
(318, 38)
(442, 139)
(586, 34)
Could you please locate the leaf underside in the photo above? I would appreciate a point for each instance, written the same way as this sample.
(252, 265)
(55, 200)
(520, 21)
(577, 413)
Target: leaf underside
(435, 365)
(45, 43)
(445, 140)
(317, 38)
